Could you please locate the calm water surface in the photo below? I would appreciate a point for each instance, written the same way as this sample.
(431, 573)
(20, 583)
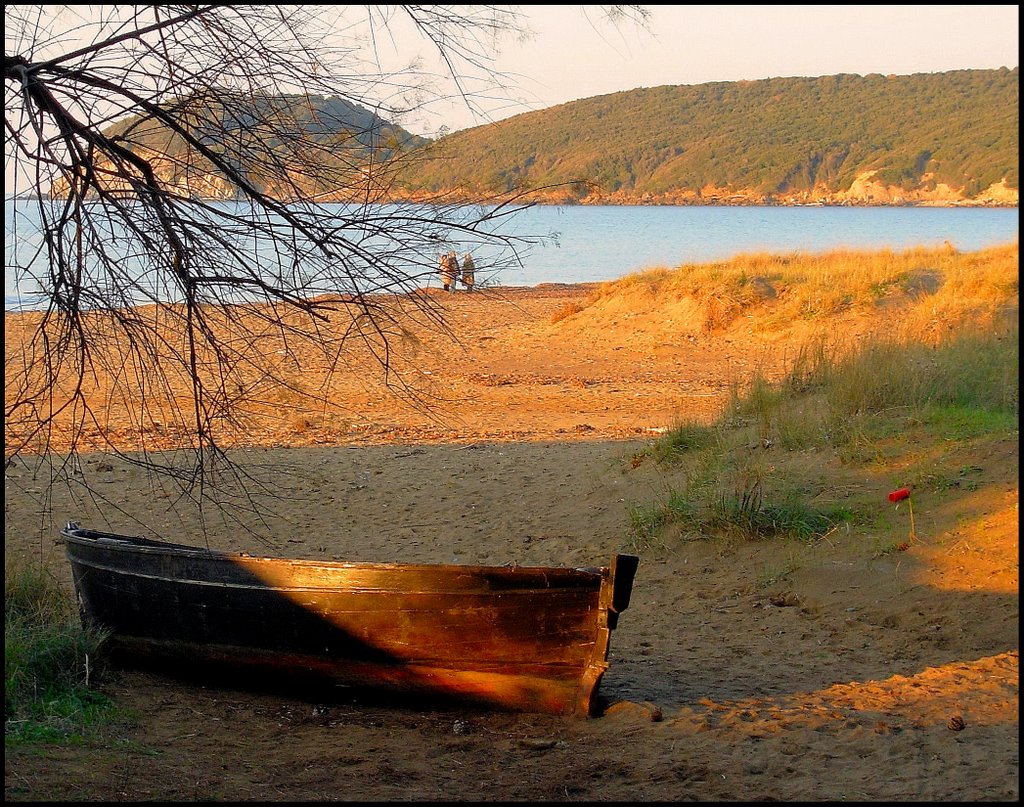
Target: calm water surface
(604, 243)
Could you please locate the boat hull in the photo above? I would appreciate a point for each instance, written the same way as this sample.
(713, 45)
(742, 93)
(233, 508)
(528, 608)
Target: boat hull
(517, 638)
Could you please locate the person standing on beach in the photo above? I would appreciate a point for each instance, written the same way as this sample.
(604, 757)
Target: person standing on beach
(453, 270)
(449, 270)
(468, 272)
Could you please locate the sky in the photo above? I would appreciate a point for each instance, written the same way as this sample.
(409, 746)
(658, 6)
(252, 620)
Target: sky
(575, 53)
(572, 57)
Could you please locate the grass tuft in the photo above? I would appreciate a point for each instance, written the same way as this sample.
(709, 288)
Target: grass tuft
(49, 662)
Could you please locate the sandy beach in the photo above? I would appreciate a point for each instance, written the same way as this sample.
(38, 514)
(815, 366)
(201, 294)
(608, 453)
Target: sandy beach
(768, 670)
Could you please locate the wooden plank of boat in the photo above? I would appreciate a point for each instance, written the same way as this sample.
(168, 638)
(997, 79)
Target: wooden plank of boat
(530, 639)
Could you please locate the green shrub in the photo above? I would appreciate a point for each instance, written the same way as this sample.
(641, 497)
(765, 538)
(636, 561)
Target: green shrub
(49, 661)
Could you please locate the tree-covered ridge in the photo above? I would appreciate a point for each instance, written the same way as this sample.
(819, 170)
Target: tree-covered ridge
(771, 140)
(284, 144)
(928, 137)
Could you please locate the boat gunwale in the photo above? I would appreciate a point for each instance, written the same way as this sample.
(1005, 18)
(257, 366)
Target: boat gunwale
(142, 545)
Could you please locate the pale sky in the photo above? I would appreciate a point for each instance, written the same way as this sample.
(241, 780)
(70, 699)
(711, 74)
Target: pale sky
(570, 58)
(575, 53)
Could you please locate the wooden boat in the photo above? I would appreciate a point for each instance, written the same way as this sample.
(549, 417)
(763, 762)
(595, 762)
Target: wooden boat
(531, 639)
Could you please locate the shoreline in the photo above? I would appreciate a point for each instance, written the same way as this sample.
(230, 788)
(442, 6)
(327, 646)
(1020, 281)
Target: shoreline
(634, 201)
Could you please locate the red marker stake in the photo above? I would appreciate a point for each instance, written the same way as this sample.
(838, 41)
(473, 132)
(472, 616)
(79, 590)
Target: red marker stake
(899, 495)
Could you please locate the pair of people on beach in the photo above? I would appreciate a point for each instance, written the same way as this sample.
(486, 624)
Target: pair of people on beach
(450, 271)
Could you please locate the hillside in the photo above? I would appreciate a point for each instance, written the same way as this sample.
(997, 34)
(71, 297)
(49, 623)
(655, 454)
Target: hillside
(942, 138)
(291, 146)
(924, 138)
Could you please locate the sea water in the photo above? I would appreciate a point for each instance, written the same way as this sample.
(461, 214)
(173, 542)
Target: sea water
(583, 244)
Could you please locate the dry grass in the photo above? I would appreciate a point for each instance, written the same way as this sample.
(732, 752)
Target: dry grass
(842, 416)
(936, 289)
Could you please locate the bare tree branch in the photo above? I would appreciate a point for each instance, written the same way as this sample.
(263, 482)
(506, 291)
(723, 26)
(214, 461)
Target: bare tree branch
(217, 192)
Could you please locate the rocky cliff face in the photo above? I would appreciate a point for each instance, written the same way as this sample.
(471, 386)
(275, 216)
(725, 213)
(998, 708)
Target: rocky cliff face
(866, 190)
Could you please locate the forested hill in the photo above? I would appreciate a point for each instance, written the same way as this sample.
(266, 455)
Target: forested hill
(928, 138)
(286, 146)
(844, 139)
